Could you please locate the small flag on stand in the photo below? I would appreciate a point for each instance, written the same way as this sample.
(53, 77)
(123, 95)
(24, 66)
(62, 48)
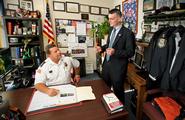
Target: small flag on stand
(48, 30)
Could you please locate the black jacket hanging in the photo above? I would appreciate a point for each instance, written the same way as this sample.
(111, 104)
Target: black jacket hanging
(174, 79)
(159, 53)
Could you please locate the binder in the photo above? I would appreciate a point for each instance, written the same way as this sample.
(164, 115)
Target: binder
(60, 107)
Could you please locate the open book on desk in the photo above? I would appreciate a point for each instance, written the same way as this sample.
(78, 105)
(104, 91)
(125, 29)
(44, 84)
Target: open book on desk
(69, 94)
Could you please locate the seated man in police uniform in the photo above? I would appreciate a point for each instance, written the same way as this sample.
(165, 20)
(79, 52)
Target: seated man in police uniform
(56, 69)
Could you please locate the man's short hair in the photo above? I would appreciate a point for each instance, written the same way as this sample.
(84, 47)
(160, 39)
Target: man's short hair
(48, 47)
(116, 11)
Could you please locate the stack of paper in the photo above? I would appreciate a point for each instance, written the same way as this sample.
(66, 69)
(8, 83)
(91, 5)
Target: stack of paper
(85, 93)
(112, 103)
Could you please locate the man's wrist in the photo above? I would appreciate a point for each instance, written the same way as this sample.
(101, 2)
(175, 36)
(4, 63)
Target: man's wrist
(77, 75)
(77, 71)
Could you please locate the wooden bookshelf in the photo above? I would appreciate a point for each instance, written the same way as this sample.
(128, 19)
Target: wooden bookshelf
(20, 30)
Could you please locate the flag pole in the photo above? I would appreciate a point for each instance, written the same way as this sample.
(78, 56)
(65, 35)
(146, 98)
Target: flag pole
(46, 1)
(54, 33)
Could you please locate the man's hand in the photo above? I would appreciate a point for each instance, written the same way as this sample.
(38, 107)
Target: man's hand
(110, 51)
(98, 49)
(49, 91)
(76, 79)
(52, 92)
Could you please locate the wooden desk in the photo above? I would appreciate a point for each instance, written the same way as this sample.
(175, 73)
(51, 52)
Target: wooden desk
(140, 85)
(89, 110)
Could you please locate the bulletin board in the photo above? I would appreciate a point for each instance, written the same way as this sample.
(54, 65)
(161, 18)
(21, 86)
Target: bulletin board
(73, 32)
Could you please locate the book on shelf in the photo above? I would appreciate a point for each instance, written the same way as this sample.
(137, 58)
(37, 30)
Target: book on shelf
(30, 57)
(112, 103)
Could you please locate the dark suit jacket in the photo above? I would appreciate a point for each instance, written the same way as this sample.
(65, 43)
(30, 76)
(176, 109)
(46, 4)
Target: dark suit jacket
(124, 45)
(175, 79)
(159, 52)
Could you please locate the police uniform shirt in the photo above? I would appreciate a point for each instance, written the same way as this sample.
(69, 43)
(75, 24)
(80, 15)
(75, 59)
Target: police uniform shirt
(51, 73)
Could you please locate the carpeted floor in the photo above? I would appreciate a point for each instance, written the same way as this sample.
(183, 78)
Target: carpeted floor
(93, 76)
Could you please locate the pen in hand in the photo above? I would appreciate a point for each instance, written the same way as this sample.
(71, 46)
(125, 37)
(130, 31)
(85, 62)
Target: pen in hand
(76, 80)
(52, 92)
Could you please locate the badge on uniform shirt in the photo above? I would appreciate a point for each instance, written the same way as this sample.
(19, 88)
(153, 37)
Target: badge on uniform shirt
(161, 43)
(65, 66)
(38, 71)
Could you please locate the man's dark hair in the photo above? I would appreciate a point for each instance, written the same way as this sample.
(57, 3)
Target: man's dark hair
(48, 47)
(116, 11)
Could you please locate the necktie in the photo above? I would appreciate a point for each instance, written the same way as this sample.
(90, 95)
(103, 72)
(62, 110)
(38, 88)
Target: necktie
(111, 42)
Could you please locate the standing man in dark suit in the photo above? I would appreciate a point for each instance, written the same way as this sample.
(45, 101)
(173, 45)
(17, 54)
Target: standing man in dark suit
(119, 48)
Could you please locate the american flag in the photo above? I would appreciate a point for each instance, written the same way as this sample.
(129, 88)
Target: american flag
(48, 30)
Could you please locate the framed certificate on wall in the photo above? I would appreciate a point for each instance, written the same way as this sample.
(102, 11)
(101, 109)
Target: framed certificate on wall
(148, 5)
(95, 10)
(58, 6)
(72, 7)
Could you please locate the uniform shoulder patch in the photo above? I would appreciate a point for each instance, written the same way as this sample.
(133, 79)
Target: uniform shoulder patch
(38, 71)
(42, 64)
(162, 42)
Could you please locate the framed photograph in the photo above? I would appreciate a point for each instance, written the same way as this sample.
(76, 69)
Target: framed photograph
(104, 11)
(12, 6)
(9, 12)
(118, 7)
(84, 8)
(58, 6)
(72, 7)
(95, 10)
(26, 4)
(148, 5)
(162, 26)
(162, 3)
(138, 59)
(78, 50)
(147, 28)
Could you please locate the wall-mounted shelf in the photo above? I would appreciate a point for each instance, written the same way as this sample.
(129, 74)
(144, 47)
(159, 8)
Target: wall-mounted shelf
(21, 44)
(167, 16)
(20, 19)
(27, 36)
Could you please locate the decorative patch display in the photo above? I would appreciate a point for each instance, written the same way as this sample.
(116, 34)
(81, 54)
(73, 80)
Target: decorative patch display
(161, 43)
(130, 14)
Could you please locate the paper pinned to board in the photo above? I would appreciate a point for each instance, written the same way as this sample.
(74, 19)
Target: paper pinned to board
(78, 49)
(70, 29)
(71, 38)
(81, 28)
